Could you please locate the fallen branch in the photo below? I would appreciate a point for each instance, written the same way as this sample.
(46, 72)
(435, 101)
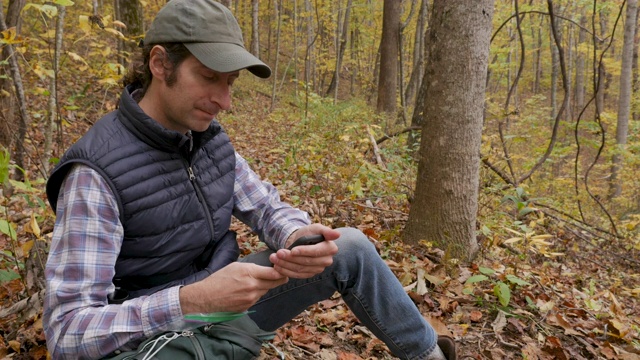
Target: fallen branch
(33, 303)
(376, 150)
(405, 130)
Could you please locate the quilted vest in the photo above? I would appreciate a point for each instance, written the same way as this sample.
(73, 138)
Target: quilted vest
(174, 193)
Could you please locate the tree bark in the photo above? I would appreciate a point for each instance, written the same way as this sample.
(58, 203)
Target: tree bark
(18, 124)
(624, 100)
(445, 203)
(9, 126)
(130, 13)
(634, 70)
(342, 47)
(418, 55)
(53, 90)
(388, 75)
(255, 28)
(277, 8)
(579, 89)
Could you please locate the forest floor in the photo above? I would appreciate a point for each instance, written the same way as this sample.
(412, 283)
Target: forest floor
(561, 293)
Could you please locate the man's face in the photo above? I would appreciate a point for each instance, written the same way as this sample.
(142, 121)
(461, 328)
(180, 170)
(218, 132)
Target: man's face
(194, 99)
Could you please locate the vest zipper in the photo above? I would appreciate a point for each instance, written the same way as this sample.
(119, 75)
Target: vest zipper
(196, 344)
(200, 195)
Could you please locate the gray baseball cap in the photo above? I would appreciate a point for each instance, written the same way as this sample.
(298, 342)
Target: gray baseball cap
(210, 32)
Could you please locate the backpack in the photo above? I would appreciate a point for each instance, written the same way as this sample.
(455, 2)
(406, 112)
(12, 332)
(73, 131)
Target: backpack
(236, 339)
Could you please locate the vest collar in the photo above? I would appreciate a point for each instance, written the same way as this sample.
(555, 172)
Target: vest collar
(151, 132)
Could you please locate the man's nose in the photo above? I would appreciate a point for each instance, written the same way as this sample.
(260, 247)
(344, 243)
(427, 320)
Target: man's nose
(223, 97)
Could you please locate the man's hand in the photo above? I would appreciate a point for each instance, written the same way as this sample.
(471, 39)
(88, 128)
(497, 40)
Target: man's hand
(308, 260)
(236, 287)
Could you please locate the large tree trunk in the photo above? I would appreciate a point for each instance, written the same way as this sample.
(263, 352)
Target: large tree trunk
(388, 80)
(624, 100)
(446, 198)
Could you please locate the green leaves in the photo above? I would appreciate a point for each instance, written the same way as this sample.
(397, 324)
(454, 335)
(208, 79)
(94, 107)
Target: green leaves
(4, 165)
(8, 229)
(502, 292)
(501, 289)
(476, 279)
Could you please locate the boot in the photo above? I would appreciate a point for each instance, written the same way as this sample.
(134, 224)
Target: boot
(448, 347)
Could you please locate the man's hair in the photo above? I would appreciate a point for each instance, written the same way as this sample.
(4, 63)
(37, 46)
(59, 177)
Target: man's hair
(139, 71)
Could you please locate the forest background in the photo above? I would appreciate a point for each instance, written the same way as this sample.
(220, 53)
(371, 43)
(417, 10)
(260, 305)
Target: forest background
(548, 267)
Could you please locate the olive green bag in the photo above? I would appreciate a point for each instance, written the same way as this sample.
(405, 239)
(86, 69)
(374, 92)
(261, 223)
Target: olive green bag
(236, 339)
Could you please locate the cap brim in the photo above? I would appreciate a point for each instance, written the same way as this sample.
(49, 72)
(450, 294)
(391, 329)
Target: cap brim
(226, 57)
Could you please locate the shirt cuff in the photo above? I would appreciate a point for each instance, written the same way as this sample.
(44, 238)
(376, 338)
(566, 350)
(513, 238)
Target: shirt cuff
(162, 312)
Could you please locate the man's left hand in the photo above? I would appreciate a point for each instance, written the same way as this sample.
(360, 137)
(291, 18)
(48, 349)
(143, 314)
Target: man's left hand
(307, 260)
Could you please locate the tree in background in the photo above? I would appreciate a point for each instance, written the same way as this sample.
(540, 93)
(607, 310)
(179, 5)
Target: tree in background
(445, 204)
(388, 76)
(624, 100)
(130, 13)
(255, 28)
(14, 128)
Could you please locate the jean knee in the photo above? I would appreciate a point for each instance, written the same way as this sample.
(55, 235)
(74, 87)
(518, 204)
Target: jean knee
(354, 244)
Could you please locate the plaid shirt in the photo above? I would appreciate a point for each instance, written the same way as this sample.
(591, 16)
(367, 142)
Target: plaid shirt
(78, 320)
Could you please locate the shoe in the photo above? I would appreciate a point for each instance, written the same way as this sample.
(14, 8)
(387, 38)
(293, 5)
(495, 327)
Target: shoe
(448, 347)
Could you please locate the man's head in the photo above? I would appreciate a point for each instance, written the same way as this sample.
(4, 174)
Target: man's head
(209, 31)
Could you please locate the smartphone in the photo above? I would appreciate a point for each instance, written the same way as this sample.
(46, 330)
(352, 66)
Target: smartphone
(307, 240)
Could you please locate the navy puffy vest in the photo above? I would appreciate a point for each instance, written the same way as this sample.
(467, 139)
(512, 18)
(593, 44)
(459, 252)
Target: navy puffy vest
(175, 203)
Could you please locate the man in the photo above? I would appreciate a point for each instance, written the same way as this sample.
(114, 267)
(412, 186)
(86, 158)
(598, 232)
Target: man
(144, 202)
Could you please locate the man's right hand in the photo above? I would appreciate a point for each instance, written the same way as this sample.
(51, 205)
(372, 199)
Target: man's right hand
(236, 287)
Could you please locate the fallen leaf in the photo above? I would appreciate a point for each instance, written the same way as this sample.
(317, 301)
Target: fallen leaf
(15, 345)
(500, 322)
(475, 316)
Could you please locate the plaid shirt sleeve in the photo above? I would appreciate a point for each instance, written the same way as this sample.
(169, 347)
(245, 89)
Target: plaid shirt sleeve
(258, 204)
(78, 320)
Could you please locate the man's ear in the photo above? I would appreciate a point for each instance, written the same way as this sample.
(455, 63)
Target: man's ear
(157, 64)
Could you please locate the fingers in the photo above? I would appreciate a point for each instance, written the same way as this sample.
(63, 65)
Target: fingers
(304, 261)
(236, 287)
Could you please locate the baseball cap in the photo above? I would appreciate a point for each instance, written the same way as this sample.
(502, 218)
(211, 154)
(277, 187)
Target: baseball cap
(209, 31)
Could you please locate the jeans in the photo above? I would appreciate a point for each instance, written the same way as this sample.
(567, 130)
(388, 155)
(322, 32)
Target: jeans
(367, 286)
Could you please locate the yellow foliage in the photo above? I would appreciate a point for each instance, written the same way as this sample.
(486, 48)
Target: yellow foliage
(10, 36)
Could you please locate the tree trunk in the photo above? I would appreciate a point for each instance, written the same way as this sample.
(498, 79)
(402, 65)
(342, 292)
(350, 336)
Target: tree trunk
(579, 90)
(624, 100)
(277, 9)
(536, 83)
(53, 90)
(602, 73)
(555, 75)
(388, 76)
(18, 124)
(342, 47)
(130, 13)
(10, 124)
(418, 55)
(446, 198)
(255, 28)
(634, 69)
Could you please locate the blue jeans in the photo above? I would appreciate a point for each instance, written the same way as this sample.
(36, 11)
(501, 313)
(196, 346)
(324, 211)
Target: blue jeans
(367, 286)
